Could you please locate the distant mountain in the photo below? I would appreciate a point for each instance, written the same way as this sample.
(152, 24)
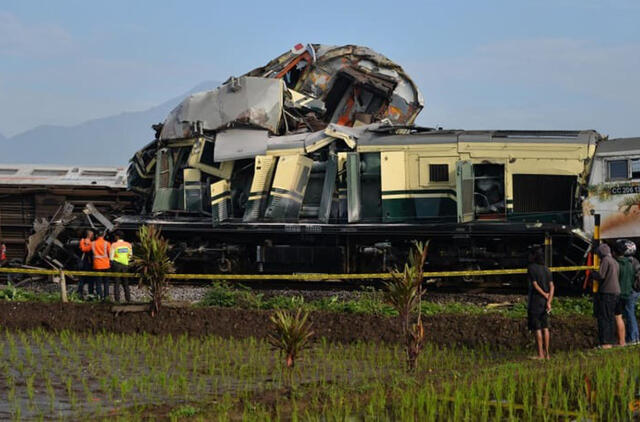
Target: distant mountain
(109, 141)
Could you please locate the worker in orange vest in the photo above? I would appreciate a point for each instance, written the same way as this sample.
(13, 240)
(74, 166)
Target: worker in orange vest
(121, 253)
(85, 263)
(3, 258)
(100, 249)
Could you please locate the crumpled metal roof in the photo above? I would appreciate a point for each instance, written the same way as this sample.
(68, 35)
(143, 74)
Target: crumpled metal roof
(324, 63)
(249, 101)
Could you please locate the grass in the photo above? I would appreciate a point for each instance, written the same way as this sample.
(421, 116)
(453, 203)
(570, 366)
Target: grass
(137, 376)
(16, 294)
(370, 301)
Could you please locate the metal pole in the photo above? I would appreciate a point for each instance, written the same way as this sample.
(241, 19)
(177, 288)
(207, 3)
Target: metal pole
(547, 249)
(596, 243)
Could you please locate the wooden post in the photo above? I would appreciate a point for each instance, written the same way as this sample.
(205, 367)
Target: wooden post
(63, 287)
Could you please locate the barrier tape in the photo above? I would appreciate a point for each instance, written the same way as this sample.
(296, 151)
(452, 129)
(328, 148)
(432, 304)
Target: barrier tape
(297, 277)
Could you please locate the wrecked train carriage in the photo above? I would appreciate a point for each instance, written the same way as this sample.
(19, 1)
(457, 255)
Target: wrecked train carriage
(34, 198)
(311, 163)
(351, 199)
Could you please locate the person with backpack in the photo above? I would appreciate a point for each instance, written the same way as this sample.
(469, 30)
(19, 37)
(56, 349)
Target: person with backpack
(629, 287)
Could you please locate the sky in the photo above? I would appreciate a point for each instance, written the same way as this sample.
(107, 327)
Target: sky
(516, 64)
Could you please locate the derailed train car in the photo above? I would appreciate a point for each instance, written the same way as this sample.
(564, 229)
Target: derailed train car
(312, 163)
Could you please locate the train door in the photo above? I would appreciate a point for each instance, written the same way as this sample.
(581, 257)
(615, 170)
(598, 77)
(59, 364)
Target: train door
(465, 190)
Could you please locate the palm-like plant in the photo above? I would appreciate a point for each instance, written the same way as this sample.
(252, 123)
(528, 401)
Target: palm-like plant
(404, 292)
(292, 334)
(151, 261)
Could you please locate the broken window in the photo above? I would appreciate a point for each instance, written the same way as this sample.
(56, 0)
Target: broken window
(489, 188)
(618, 170)
(438, 172)
(294, 70)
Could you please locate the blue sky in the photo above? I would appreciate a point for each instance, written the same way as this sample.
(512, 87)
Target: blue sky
(570, 64)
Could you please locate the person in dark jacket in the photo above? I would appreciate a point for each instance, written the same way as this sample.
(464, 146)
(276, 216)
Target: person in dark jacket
(607, 298)
(625, 249)
(541, 291)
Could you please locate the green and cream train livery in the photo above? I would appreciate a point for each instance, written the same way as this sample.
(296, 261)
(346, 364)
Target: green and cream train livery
(614, 189)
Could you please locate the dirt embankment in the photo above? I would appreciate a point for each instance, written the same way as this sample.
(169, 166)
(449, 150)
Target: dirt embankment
(494, 331)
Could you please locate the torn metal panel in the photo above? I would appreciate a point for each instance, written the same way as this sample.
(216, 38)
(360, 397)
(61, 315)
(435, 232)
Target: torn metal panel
(246, 101)
(328, 188)
(287, 145)
(201, 158)
(236, 144)
(299, 100)
(260, 186)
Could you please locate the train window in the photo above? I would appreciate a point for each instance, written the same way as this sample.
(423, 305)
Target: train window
(438, 172)
(618, 170)
(635, 168)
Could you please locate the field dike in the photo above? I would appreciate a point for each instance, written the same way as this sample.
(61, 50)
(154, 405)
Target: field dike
(491, 331)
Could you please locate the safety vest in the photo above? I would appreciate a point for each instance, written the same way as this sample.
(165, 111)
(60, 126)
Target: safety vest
(100, 249)
(121, 251)
(85, 245)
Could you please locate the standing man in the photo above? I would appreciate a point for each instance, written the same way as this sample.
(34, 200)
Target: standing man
(100, 249)
(121, 252)
(607, 298)
(541, 291)
(85, 264)
(625, 249)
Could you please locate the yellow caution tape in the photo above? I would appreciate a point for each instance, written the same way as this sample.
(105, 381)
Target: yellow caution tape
(296, 277)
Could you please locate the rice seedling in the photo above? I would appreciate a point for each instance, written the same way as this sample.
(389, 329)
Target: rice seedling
(124, 376)
(404, 292)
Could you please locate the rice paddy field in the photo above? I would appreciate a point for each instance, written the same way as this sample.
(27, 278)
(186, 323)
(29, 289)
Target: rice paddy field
(65, 375)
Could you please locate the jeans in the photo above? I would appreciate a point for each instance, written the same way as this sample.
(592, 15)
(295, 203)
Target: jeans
(630, 317)
(605, 306)
(102, 284)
